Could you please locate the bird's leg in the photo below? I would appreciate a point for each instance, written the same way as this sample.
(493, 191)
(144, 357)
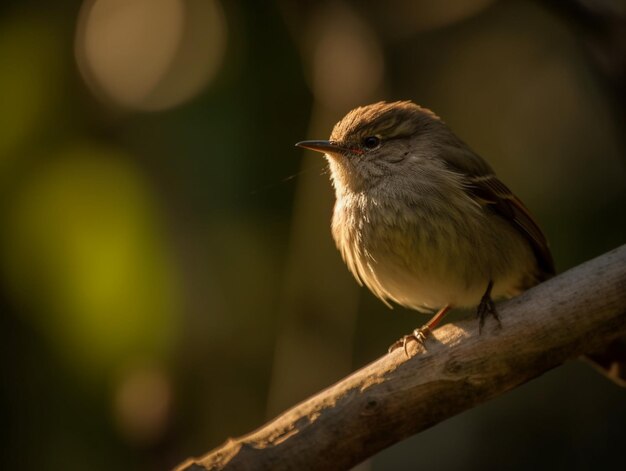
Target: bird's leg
(486, 307)
(419, 335)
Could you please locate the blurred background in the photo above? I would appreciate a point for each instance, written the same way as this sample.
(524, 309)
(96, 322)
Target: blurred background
(167, 274)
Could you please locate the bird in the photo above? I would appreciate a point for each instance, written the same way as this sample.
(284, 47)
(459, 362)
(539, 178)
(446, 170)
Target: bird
(422, 220)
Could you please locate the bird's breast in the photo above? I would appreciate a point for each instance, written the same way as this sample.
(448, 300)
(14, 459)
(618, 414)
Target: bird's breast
(421, 253)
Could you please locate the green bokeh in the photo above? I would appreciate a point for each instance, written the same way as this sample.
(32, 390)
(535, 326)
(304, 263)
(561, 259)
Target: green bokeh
(86, 258)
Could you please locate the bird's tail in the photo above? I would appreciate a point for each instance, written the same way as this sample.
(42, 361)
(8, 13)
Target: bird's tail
(611, 361)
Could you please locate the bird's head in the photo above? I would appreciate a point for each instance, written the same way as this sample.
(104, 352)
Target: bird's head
(379, 144)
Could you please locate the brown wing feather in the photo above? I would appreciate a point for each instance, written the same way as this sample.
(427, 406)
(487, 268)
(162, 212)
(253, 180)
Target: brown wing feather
(489, 190)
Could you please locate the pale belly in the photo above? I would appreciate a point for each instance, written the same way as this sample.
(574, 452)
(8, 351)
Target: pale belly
(438, 264)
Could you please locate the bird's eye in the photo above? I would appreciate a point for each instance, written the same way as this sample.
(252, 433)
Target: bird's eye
(371, 142)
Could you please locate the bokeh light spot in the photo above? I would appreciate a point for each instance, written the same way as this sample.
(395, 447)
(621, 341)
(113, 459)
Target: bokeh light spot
(348, 62)
(85, 258)
(149, 54)
(142, 404)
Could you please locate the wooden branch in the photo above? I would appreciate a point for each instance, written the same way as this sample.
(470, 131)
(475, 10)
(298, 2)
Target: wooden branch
(395, 396)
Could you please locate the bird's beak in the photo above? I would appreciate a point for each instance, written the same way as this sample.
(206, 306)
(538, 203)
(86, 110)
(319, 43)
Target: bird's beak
(326, 147)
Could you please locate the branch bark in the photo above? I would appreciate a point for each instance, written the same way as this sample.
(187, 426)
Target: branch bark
(394, 397)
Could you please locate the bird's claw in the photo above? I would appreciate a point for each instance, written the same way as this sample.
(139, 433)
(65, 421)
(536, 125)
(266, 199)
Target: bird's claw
(485, 308)
(419, 335)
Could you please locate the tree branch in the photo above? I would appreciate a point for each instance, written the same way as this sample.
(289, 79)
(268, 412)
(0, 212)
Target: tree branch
(395, 397)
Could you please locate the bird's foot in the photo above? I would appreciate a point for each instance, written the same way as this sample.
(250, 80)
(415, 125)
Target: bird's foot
(419, 335)
(485, 308)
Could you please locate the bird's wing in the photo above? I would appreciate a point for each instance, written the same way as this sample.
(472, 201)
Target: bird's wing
(489, 191)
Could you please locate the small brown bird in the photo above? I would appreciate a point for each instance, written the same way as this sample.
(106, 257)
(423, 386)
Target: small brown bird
(422, 220)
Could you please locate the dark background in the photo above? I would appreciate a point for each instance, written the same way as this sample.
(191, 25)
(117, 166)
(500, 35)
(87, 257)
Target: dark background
(167, 274)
